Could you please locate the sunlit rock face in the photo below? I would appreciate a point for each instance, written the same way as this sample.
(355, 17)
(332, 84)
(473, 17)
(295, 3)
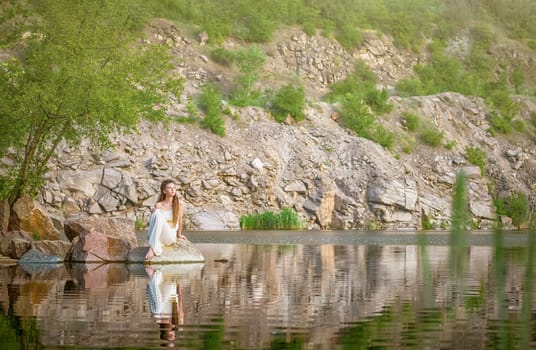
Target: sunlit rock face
(262, 165)
(58, 248)
(31, 216)
(15, 244)
(118, 227)
(298, 166)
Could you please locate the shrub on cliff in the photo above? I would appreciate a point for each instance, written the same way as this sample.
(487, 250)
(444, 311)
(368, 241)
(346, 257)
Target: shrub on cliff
(516, 206)
(361, 84)
(248, 61)
(210, 103)
(431, 136)
(356, 115)
(360, 100)
(476, 156)
(289, 101)
(411, 121)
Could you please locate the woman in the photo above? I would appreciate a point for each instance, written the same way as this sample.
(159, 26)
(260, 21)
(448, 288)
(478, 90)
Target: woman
(165, 224)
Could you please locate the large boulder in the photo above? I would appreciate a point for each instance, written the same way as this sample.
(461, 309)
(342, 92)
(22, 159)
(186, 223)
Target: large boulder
(120, 228)
(34, 256)
(96, 247)
(60, 249)
(182, 251)
(393, 192)
(29, 215)
(15, 244)
(41, 266)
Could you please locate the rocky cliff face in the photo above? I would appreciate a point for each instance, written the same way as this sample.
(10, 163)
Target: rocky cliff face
(331, 177)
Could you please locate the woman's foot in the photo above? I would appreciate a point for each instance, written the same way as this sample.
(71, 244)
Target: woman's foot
(149, 271)
(150, 254)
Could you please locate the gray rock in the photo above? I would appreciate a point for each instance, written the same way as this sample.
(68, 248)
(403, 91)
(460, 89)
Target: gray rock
(257, 164)
(15, 244)
(208, 221)
(392, 192)
(34, 256)
(296, 186)
(182, 251)
(82, 181)
(41, 268)
(53, 248)
(111, 178)
(472, 171)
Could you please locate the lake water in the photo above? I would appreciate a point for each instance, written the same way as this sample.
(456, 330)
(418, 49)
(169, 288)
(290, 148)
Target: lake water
(286, 290)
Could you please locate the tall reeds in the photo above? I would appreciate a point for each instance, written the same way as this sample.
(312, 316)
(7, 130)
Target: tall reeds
(458, 239)
(286, 219)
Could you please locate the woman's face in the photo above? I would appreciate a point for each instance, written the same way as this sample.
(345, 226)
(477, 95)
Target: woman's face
(169, 190)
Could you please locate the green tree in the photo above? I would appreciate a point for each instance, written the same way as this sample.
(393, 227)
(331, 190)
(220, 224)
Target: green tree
(79, 73)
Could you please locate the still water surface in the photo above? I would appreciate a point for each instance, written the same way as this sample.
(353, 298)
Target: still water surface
(286, 290)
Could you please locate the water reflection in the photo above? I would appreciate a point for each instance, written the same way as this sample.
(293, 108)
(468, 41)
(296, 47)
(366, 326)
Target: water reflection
(164, 293)
(251, 296)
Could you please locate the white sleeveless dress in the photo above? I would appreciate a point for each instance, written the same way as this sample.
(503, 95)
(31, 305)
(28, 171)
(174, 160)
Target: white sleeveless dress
(161, 232)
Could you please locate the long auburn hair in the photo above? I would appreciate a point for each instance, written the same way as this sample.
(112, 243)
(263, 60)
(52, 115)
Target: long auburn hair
(175, 204)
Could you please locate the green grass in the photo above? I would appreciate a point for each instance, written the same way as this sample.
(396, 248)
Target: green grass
(450, 144)
(286, 219)
(427, 223)
(411, 121)
(139, 224)
(431, 136)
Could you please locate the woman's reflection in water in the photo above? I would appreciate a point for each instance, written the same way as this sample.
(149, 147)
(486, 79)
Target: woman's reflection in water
(165, 301)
